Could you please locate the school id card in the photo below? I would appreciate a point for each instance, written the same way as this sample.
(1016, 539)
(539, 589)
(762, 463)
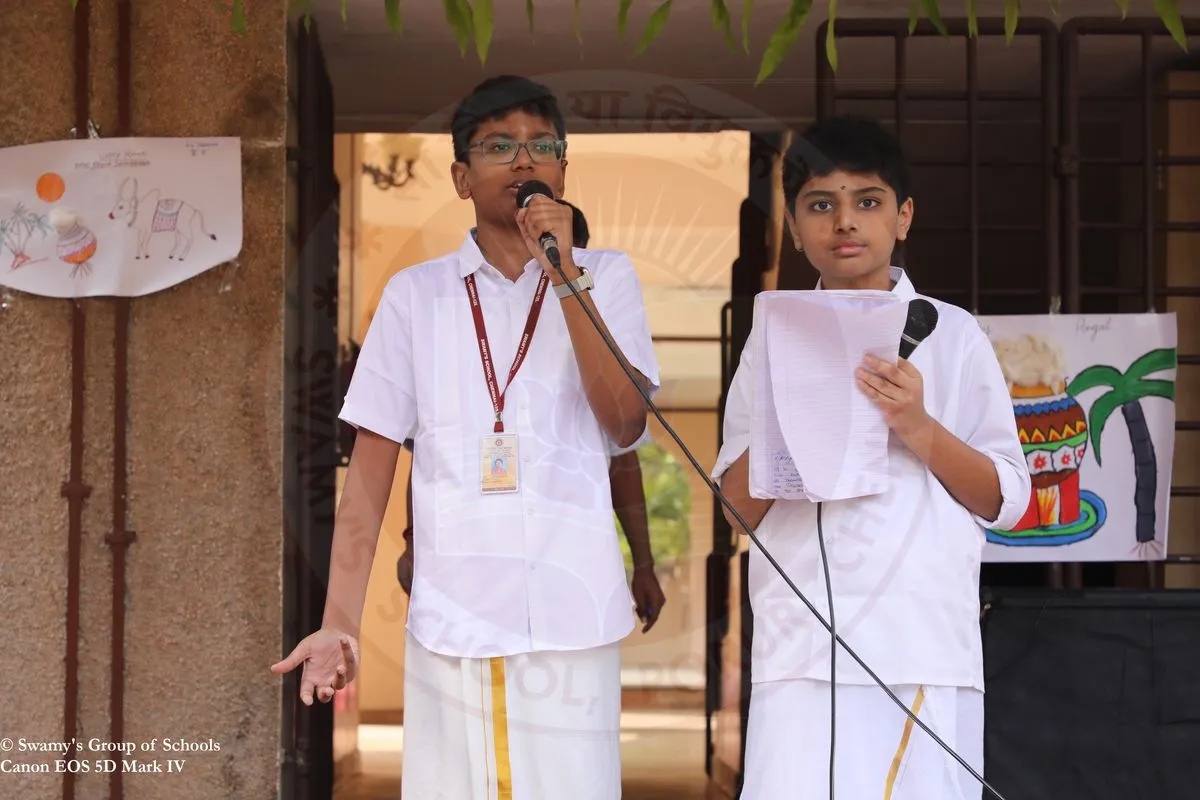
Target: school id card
(498, 463)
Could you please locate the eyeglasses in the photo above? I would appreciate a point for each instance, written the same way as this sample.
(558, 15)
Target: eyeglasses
(506, 151)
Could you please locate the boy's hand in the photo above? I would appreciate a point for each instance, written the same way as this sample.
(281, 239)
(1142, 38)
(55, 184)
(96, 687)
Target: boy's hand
(404, 570)
(647, 595)
(330, 658)
(899, 392)
(545, 215)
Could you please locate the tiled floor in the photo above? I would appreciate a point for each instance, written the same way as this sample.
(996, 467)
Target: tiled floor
(662, 759)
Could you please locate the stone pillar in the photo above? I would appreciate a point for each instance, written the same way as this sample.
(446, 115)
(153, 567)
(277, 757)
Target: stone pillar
(35, 408)
(203, 598)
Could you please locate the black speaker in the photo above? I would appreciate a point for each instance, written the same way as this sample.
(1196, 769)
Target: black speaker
(1092, 694)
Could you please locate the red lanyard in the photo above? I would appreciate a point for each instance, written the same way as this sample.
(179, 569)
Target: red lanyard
(485, 352)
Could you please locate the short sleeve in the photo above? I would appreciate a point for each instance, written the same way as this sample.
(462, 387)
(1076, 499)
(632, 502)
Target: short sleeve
(735, 432)
(988, 424)
(616, 450)
(382, 397)
(619, 300)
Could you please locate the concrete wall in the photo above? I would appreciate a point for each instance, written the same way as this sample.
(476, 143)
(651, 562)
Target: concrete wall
(204, 438)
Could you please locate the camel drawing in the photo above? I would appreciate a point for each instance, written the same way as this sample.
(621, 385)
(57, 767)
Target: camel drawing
(151, 214)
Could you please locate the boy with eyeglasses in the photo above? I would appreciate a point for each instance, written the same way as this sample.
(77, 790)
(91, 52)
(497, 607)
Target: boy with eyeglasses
(519, 597)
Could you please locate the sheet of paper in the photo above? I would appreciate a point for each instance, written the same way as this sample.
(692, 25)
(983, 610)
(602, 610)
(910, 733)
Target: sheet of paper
(814, 434)
(773, 475)
(117, 217)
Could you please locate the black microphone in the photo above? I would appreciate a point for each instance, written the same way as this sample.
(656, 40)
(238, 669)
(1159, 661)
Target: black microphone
(525, 193)
(922, 319)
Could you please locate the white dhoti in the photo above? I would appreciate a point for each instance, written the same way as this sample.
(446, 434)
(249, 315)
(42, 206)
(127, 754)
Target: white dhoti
(880, 752)
(526, 727)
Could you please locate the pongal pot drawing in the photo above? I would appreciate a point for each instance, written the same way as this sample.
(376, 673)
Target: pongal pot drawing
(1051, 425)
(1052, 428)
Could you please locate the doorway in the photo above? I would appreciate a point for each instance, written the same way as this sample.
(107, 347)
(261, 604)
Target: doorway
(637, 192)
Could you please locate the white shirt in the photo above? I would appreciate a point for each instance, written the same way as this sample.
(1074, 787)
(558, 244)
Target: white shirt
(539, 569)
(904, 565)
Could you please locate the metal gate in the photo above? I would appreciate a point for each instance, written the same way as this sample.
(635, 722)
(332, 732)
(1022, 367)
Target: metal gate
(958, 236)
(1126, 244)
(1017, 189)
(311, 394)
(1095, 151)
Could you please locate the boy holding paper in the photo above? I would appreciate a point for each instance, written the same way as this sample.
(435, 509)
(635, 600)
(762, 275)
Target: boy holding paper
(904, 564)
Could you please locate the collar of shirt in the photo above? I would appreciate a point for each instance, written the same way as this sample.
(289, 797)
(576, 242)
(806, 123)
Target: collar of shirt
(470, 259)
(901, 285)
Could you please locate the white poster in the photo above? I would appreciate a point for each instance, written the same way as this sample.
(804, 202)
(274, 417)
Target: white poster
(1094, 397)
(123, 217)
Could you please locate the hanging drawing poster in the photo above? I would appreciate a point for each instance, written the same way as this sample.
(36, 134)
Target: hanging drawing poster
(117, 217)
(1094, 397)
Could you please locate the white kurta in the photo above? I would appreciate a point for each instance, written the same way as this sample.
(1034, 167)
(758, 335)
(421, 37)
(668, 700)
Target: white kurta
(904, 567)
(501, 574)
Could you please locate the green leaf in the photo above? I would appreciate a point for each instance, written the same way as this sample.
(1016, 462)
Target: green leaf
(345, 13)
(529, 13)
(1056, 8)
(935, 16)
(1092, 377)
(1169, 11)
(458, 14)
(623, 16)
(1124, 6)
(1154, 388)
(1155, 361)
(831, 37)
(783, 38)
(914, 14)
(391, 9)
(722, 22)
(654, 26)
(482, 26)
(1101, 410)
(578, 26)
(747, 12)
(973, 18)
(1012, 12)
(239, 17)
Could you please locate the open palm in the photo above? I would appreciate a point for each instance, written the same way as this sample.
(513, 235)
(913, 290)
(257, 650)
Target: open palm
(330, 660)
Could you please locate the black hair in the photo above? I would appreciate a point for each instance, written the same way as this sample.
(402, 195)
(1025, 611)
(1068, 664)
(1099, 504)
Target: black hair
(850, 144)
(579, 226)
(496, 97)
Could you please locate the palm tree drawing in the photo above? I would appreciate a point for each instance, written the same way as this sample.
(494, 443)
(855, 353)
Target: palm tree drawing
(1126, 391)
(16, 230)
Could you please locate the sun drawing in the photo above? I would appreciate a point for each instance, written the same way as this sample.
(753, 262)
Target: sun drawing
(50, 187)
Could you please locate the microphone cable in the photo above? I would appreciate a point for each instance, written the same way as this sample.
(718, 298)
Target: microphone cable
(833, 639)
(551, 249)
